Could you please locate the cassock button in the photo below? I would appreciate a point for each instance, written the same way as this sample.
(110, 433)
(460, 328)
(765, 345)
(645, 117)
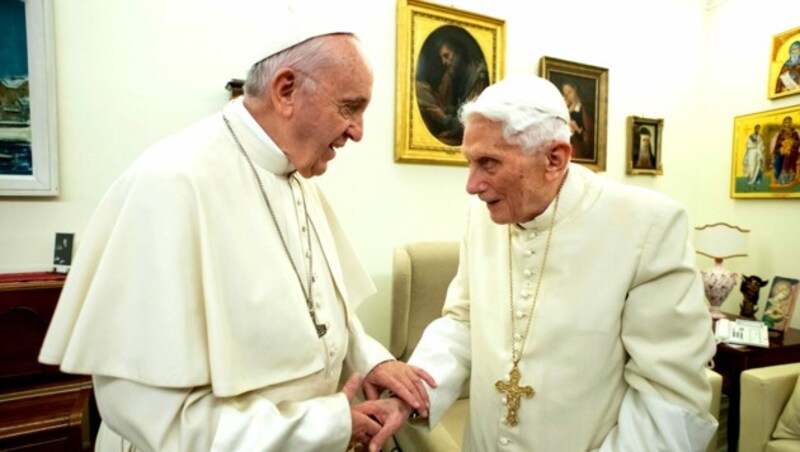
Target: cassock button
(528, 252)
(504, 441)
(527, 272)
(520, 314)
(504, 421)
(532, 235)
(525, 294)
(503, 400)
(303, 228)
(332, 353)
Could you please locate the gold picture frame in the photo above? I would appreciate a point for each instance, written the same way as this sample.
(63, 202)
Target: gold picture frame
(445, 56)
(784, 66)
(587, 88)
(643, 155)
(765, 161)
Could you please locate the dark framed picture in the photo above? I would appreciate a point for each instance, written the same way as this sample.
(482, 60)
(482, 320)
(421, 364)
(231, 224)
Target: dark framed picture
(62, 252)
(445, 57)
(585, 90)
(644, 146)
(765, 161)
(784, 64)
(28, 121)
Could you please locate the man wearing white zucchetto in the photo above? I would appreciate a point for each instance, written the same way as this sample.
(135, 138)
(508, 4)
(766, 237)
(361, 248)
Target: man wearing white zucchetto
(577, 309)
(213, 298)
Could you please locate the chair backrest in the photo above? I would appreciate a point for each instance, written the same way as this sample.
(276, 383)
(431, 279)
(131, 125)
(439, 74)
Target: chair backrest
(421, 274)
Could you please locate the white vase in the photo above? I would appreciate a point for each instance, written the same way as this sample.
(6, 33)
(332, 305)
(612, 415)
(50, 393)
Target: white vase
(718, 283)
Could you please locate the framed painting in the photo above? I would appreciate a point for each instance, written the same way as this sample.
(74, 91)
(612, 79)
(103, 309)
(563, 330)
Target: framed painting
(765, 161)
(28, 152)
(780, 304)
(445, 57)
(644, 146)
(784, 64)
(585, 90)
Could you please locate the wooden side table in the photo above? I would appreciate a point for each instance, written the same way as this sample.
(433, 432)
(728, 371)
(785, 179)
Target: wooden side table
(730, 361)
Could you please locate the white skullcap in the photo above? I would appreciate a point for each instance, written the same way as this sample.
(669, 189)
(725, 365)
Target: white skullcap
(537, 96)
(285, 26)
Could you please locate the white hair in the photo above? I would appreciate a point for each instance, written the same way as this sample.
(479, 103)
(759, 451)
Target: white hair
(307, 58)
(523, 125)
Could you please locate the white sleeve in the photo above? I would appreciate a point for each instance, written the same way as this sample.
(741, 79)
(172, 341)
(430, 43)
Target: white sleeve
(648, 422)
(364, 352)
(666, 404)
(193, 419)
(444, 352)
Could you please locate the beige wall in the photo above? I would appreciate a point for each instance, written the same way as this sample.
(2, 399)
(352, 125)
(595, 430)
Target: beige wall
(129, 75)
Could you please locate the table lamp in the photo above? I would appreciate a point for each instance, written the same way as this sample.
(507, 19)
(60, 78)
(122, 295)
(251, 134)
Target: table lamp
(719, 241)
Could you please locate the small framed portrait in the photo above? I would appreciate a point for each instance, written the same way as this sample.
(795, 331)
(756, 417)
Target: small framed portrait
(445, 57)
(765, 158)
(784, 64)
(585, 91)
(644, 146)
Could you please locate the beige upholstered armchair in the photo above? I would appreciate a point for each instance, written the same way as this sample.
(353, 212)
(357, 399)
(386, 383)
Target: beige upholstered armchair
(770, 409)
(421, 274)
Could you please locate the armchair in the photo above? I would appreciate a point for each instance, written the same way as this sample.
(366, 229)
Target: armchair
(422, 272)
(766, 393)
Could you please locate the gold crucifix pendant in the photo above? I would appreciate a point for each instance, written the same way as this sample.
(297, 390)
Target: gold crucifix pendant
(513, 391)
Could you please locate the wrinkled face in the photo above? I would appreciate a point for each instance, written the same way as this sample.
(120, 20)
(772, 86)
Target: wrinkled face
(794, 52)
(501, 175)
(787, 123)
(332, 112)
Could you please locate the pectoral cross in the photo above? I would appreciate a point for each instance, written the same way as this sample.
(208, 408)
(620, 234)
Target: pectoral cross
(513, 391)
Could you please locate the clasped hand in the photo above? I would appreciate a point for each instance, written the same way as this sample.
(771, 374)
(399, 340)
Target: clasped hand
(376, 420)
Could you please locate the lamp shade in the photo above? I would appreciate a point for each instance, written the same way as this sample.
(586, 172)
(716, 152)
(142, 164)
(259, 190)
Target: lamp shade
(721, 241)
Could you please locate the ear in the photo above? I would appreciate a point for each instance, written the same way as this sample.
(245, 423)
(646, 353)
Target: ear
(283, 89)
(558, 157)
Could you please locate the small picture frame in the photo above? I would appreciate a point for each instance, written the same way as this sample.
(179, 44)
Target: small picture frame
(62, 254)
(784, 65)
(585, 91)
(445, 57)
(644, 146)
(780, 304)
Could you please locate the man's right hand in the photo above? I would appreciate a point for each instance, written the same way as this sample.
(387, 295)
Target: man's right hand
(363, 427)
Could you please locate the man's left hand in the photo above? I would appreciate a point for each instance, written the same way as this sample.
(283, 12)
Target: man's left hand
(403, 380)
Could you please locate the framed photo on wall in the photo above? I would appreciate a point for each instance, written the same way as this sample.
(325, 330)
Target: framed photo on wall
(765, 162)
(445, 57)
(784, 64)
(585, 90)
(644, 146)
(28, 154)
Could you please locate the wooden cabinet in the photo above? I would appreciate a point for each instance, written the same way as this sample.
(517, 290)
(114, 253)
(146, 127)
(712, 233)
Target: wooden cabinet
(41, 409)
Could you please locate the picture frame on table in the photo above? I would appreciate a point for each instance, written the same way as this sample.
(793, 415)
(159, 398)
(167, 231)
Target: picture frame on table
(643, 154)
(779, 307)
(28, 119)
(784, 65)
(765, 160)
(445, 57)
(585, 90)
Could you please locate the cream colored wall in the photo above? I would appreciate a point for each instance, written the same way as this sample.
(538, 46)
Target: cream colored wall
(129, 75)
(739, 40)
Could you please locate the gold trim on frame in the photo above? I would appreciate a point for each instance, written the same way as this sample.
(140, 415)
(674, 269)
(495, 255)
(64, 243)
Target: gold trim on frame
(756, 157)
(418, 25)
(655, 127)
(592, 82)
(778, 58)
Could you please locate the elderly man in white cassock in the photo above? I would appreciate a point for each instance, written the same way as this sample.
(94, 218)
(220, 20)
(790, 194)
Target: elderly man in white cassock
(577, 308)
(213, 297)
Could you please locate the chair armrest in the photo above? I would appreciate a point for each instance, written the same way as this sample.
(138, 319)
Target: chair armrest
(765, 392)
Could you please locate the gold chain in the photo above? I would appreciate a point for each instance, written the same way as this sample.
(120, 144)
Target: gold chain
(516, 355)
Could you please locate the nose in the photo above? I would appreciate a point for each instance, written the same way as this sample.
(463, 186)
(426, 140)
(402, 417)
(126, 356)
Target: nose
(475, 183)
(355, 130)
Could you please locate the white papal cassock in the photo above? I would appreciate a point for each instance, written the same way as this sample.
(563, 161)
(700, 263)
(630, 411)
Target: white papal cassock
(184, 306)
(620, 332)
